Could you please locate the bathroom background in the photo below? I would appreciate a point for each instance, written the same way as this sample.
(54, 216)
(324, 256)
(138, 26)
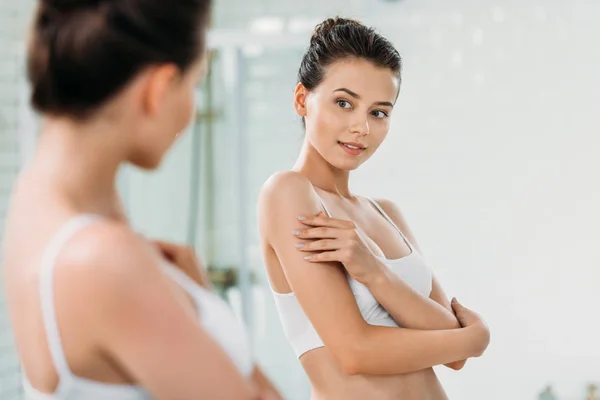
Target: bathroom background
(493, 156)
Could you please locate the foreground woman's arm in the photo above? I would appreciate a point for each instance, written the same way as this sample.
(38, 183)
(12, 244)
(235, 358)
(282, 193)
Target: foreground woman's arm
(324, 294)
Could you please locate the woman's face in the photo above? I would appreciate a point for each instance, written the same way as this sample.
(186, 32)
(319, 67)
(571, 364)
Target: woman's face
(347, 115)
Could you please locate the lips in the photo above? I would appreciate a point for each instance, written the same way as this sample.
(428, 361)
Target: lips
(352, 148)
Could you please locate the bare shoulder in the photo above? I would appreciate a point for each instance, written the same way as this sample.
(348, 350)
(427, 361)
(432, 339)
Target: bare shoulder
(285, 183)
(105, 246)
(104, 262)
(283, 194)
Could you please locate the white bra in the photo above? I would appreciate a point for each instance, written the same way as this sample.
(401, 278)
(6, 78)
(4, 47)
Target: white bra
(214, 314)
(300, 332)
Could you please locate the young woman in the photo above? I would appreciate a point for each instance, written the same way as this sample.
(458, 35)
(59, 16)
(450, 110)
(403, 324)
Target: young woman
(361, 308)
(98, 311)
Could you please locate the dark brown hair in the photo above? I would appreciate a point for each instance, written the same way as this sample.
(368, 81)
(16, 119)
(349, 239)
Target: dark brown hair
(83, 52)
(339, 38)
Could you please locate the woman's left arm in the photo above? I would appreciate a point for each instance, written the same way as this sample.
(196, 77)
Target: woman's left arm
(333, 238)
(438, 314)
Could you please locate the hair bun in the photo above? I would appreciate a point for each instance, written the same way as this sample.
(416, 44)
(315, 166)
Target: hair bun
(325, 27)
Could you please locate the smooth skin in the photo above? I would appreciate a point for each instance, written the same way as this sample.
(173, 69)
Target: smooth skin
(121, 319)
(353, 105)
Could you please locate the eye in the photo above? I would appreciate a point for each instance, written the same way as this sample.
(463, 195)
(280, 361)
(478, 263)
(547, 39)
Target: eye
(379, 114)
(344, 104)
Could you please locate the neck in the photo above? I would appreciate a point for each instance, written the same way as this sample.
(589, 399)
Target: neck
(321, 173)
(81, 161)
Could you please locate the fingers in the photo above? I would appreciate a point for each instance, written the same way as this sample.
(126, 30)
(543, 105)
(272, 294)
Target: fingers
(328, 256)
(166, 246)
(169, 250)
(176, 253)
(322, 220)
(459, 306)
(455, 301)
(326, 233)
(456, 306)
(457, 309)
(319, 233)
(322, 245)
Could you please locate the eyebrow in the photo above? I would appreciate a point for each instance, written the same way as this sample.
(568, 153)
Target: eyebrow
(357, 96)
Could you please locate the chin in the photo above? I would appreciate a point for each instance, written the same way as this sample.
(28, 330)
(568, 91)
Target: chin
(146, 163)
(347, 165)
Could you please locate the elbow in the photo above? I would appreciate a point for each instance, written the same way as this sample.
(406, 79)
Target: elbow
(349, 358)
(350, 364)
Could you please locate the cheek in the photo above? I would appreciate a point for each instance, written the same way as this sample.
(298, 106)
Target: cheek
(327, 121)
(176, 118)
(184, 109)
(380, 130)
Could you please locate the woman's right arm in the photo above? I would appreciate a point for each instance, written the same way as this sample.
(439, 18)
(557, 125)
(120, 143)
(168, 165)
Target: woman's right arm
(325, 296)
(137, 320)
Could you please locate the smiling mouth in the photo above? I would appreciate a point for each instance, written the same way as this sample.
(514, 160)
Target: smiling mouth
(352, 146)
(353, 149)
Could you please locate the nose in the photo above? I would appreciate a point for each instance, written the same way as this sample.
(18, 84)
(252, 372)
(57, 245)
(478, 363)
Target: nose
(360, 127)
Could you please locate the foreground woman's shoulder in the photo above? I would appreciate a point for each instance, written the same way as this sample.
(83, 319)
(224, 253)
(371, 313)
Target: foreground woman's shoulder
(286, 186)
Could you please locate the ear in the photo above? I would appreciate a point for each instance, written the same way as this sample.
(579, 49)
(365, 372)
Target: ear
(300, 100)
(158, 83)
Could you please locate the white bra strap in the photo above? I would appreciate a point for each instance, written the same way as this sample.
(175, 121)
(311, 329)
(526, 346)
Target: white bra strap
(323, 204)
(387, 217)
(325, 208)
(64, 234)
